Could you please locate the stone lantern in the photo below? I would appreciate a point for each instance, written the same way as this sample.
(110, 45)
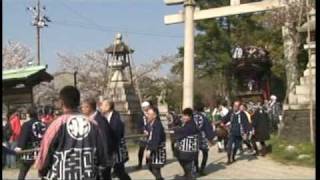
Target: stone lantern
(312, 44)
(118, 56)
(120, 88)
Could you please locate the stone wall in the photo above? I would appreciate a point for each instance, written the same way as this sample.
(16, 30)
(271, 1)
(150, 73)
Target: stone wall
(296, 125)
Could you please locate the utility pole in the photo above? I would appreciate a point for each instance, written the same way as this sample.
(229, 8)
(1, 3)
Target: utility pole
(38, 34)
(75, 78)
(39, 21)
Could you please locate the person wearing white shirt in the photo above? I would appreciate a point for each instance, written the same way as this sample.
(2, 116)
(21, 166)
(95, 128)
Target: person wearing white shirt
(143, 129)
(118, 130)
(89, 109)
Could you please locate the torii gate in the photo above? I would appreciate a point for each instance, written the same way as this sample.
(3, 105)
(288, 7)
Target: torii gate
(190, 14)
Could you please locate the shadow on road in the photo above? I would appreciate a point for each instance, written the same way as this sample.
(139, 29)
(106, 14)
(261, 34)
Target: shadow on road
(248, 157)
(131, 169)
(214, 167)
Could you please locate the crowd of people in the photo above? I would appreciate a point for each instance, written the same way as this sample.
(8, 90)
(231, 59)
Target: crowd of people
(263, 118)
(13, 129)
(87, 140)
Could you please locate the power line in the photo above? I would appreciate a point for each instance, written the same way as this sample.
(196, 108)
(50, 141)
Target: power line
(104, 29)
(109, 28)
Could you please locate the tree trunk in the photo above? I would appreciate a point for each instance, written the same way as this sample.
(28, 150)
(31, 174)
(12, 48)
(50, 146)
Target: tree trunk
(291, 43)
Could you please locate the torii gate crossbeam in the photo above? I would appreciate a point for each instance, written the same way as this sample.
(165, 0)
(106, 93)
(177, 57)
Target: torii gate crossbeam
(226, 11)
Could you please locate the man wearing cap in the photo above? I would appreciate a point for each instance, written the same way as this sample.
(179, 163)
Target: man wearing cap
(143, 128)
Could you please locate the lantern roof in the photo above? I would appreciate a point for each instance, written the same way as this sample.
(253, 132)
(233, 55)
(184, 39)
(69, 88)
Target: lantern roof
(311, 23)
(119, 47)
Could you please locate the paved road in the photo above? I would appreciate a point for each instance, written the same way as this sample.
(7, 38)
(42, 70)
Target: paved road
(246, 167)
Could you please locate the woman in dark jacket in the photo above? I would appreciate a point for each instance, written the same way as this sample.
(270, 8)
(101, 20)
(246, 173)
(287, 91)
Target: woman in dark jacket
(261, 129)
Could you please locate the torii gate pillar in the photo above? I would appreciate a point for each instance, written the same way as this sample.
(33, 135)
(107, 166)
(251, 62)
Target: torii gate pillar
(188, 68)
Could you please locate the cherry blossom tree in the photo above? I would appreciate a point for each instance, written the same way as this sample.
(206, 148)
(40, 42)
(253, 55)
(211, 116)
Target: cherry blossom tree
(15, 55)
(92, 71)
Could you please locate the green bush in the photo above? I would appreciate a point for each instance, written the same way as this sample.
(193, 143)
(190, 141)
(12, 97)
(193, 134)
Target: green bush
(280, 153)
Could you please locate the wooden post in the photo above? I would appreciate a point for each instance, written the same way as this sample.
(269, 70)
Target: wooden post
(310, 78)
(75, 78)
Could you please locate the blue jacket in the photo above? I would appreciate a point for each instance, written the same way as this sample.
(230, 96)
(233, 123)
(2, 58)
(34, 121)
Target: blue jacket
(106, 131)
(117, 129)
(235, 129)
(203, 124)
(158, 136)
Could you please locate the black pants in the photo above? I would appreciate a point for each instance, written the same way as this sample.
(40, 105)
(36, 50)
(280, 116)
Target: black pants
(25, 167)
(174, 149)
(188, 168)
(4, 160)
(204, 159)
(236, 140)
(263, 145)
(247, 143)
(274, 124)
(140, 154)
(156, 171)
(120, 172)
(220, 140)
(106, 174)
(225, 141)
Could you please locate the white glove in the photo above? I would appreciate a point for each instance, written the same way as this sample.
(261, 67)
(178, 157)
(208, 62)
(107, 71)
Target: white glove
(214, 127)
(17, 149)
(252, 132)
(145, 132)
(148, 153)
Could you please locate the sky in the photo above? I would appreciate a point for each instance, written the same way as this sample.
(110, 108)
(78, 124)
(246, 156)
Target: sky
(80, 26)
